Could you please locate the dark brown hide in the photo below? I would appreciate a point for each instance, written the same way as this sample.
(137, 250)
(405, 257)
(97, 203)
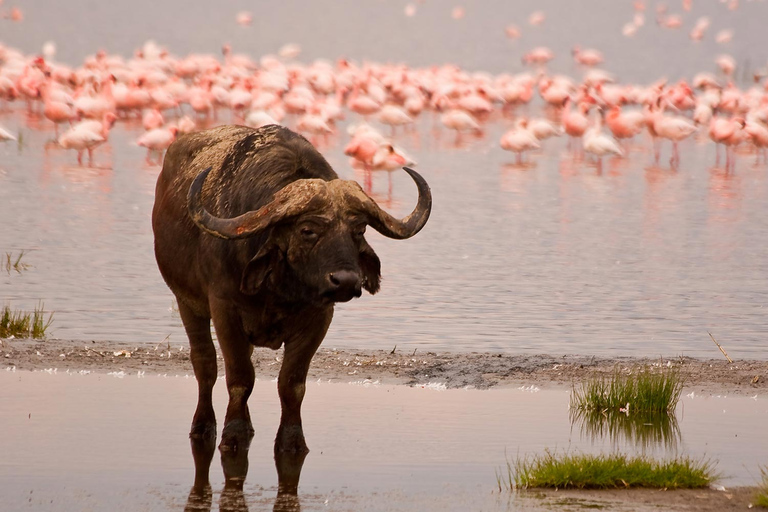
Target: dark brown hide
(254, 231)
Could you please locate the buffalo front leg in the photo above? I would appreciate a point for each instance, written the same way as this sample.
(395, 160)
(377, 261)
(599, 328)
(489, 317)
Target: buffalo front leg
(202, 353)
(291, 384)
(237, 350)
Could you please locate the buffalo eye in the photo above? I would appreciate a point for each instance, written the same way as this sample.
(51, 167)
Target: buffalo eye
(308, 234)
(358, 231)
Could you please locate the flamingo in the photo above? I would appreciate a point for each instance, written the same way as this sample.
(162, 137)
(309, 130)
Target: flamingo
(393, 116)
(388, 158)
(186, 125)
(624, 125)
(57, 111)
(362, 104)
(459, 120)
(543, 129)
(728, 133)
(314, 123)
(672, 128)
(519, 139)
(597, 143)
(758, 134)
(539, 55)
(575, 123)
(364, 144)
(157, 140)
(588, 57)
(87, 135)
(152, 119)
(95, 105)
(259, 118)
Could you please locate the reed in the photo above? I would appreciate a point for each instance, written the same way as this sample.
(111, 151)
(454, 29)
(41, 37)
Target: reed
(761, 499)
(23, 324)
(585, 471)
(12, 263)
(641, 390)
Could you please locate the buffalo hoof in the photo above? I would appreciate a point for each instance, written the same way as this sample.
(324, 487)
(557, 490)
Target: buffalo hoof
(237, 435)
(203, 430)
(290, 439)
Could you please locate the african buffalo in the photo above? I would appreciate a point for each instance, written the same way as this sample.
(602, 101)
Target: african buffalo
(255, 231)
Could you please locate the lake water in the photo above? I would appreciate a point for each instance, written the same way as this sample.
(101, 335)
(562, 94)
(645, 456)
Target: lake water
(549, 258)
(104, 442)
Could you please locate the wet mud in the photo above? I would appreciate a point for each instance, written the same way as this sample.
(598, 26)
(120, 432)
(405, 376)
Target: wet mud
(415, 368)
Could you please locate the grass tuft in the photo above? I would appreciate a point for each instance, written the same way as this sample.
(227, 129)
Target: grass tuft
(606, 472)
(761, 499)
(638, 391)
(22, 324)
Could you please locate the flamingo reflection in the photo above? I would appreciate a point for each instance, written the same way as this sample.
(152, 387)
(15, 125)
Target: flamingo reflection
(234, 463)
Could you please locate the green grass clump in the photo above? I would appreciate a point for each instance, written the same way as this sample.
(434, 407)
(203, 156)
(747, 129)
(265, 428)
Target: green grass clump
(22, 324)
(638, 391)
(606, 472)
(761, 500)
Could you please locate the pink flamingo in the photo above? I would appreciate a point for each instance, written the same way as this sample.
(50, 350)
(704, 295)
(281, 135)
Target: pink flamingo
(758, 134)
(152, 119)
(87, 135)
(588, 57)
(728, 133)
(599, 144)
(56, 111)
(362, 104)
(672, 128)
(394, 116)
(575, 123)
(460, 121)
(519, 139)
(157, 140)
(624, 125)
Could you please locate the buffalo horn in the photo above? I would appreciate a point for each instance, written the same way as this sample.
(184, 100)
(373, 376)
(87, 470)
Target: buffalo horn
(290, 200)
(391, 227)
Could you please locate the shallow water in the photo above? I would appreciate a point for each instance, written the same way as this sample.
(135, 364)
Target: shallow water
(86, 442)
(549, 258)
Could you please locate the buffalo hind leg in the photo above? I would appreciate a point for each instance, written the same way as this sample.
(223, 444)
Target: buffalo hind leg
(291, 385)
(237, 350)
(202, 353)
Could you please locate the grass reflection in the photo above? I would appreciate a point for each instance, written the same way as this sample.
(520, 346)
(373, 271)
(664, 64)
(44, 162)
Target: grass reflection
(643, 430)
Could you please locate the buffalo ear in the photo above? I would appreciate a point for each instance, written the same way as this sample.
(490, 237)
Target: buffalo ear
(258, 270)
(371, 268)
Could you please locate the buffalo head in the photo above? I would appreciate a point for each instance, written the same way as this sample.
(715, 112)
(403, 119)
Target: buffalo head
(315, 245)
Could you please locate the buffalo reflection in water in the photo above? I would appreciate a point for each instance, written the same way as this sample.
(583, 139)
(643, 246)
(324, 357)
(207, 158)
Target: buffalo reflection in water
(234, 462)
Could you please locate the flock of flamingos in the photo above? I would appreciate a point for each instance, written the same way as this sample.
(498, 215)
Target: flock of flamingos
(175, 95)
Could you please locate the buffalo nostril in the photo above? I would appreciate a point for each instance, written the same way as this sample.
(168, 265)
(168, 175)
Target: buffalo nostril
(344, 279)
(345, 284)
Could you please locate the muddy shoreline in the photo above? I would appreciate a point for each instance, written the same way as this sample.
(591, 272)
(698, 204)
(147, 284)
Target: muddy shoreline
(454, 370)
